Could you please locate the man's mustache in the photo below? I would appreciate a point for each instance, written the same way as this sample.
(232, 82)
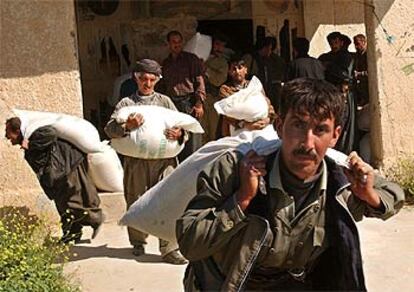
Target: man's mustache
(302, 151)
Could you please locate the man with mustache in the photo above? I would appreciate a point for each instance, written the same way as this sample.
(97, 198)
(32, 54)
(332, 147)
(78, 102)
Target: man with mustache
(142, 174)
(183, 82)
(286, 221)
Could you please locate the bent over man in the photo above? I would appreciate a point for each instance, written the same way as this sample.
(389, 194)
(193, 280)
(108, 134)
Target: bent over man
(297, 232)
(62, 172)
(142, 174)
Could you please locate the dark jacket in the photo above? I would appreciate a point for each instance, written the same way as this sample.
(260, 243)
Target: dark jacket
(52, 159)
(223, 245)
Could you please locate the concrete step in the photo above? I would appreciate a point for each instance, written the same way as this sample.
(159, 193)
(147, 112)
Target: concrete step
(113, 206)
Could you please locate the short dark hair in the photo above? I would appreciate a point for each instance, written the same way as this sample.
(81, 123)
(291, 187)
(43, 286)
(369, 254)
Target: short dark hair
(301, 45)
(220, 37)
(319, 98)
(14, 123)
(237, 59)
(334, 35)
(173, 33)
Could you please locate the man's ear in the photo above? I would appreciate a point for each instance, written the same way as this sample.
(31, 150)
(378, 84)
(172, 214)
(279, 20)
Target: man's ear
(278, 124)
(336, 135)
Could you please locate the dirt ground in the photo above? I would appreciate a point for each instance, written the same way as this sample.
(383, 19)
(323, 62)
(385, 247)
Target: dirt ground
(107, 265)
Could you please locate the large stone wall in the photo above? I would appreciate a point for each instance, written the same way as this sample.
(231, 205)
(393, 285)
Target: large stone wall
(38, 70)
(391, 77)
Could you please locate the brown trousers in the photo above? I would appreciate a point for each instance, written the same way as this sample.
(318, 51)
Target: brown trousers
(139, 176)
(210, 119)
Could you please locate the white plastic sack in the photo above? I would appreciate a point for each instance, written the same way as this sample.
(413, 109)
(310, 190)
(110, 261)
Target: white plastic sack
(75, 130)
(200, 45)
(158, 209)
(106, 170)
(248, 104)
(149, 141)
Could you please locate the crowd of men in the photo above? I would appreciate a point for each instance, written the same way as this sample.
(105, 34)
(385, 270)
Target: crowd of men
(296, 233)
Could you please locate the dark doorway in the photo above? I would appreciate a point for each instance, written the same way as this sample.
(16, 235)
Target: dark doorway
(239, 32)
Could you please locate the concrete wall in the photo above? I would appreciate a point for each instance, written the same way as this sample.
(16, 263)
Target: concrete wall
(38, 70)
(391, 77)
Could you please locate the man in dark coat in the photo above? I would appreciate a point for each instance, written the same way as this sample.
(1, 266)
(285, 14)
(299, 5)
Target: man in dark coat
(304, 65)
(62, 172)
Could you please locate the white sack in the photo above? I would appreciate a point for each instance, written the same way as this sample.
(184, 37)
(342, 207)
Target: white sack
(106, 170)
(75, 130)
(158, 209)
(149, 141)
(200, 45)
(248, 104)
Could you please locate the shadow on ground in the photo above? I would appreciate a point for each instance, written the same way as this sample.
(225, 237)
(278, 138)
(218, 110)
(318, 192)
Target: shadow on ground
(79, 252)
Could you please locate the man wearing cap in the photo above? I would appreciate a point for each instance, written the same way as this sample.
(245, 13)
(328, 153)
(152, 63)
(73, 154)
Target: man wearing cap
(141, 174)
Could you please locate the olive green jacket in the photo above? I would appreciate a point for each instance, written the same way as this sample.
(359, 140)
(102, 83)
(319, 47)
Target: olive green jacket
(222, 243)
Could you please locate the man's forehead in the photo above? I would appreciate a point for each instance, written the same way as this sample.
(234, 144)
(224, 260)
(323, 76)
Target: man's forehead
(306, 116)
(146, 75)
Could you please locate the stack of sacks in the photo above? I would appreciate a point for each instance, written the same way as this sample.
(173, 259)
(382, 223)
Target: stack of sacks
(104, 166)
(149, 141)
(200, 45)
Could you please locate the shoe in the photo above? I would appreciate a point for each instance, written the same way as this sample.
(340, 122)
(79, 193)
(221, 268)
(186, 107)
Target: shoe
(96, 230)
(174, 258)
(138, 250)
(75, 238)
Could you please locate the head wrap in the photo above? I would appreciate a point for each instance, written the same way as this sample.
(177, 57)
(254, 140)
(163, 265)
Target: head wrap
(148, 66)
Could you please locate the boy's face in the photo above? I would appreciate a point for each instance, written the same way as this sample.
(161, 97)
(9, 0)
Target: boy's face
(237, 72)
(305, 141)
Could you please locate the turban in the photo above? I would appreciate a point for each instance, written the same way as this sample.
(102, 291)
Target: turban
(148, 66)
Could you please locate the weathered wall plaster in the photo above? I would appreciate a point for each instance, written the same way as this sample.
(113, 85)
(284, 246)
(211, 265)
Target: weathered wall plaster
(391, 77)
(38, 70)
